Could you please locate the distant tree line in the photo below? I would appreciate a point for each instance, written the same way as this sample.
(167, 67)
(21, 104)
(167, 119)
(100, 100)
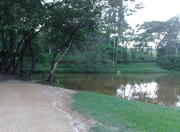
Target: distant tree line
(166, 38)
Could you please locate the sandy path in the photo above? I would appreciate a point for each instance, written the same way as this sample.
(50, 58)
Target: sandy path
(28, 107)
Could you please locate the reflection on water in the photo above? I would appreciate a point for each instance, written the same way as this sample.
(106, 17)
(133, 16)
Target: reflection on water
(178, 102)
(138, 91)
(153, 88)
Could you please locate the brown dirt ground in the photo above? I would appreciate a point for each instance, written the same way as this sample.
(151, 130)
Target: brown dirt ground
(29, 107)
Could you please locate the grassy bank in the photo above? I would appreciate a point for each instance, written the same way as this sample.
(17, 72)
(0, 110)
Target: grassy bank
(139, 68)
(62, 68)
(117, 115)
(127, 68)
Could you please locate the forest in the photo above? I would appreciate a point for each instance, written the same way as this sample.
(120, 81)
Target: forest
(86, 35)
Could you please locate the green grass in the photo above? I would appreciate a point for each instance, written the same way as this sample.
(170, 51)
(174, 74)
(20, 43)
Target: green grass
(63, 68)
(118, 115)
(139, 68)
(127, 68)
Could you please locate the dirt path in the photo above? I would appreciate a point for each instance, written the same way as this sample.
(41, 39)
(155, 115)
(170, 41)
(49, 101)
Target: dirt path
(28, 107)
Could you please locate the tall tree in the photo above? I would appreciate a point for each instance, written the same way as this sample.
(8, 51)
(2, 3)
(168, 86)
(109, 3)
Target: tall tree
(115, 13)
(21, 21)
(164, 33)
(70, 21)
(166, 36)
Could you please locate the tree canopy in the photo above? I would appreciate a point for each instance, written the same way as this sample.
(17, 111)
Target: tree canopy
(91, 34)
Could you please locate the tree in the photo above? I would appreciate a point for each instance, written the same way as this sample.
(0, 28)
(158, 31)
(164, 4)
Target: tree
(116, 24)
(70, 21)
(165, 34)
(21, 21)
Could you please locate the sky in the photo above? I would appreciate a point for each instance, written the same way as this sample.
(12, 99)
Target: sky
(155, 10)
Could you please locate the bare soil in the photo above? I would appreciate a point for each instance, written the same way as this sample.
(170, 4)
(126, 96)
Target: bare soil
(29, 107)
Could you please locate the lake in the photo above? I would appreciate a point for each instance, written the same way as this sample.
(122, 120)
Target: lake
(162, 89)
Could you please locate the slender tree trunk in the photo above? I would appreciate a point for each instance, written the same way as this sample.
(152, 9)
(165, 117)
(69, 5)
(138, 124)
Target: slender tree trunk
(118, 17)
(52, 71)
(22, 54)
(32, 57)
(20, 45)
(55, 64)
(2, 57)
(4, 50)
(177, 50)
(114, 47)
(10, 51)
(120, 27)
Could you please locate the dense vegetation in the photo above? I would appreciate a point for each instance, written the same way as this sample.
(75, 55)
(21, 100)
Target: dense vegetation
(88, 35)
(118, 115)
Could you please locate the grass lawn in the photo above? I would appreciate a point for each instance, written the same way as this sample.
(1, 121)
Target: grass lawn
(140, 68)
(63, 68)
(127, 68)
(118, 115)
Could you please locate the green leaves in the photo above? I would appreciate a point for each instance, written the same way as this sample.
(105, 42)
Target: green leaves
(71, 19)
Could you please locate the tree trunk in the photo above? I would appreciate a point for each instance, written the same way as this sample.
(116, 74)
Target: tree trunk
(22, 54)
(20, 58)
(52, 71)
(32, 57)
(13, 61)
(55, 64)
(10, 51)
(120, 27)
(177, 50)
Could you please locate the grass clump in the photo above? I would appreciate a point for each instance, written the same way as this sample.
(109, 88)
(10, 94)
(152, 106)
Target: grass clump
(130, 116)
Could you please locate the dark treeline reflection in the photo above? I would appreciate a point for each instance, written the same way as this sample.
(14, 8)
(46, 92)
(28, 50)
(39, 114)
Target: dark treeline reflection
(153, 88)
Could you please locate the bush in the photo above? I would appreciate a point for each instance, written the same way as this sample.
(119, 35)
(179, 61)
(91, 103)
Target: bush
(169, 63)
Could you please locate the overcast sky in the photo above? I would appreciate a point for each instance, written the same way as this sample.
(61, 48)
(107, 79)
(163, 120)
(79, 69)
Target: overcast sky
(161, 10)
(154, 10)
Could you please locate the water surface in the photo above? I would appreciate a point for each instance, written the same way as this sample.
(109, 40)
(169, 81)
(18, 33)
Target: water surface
(160, 89)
